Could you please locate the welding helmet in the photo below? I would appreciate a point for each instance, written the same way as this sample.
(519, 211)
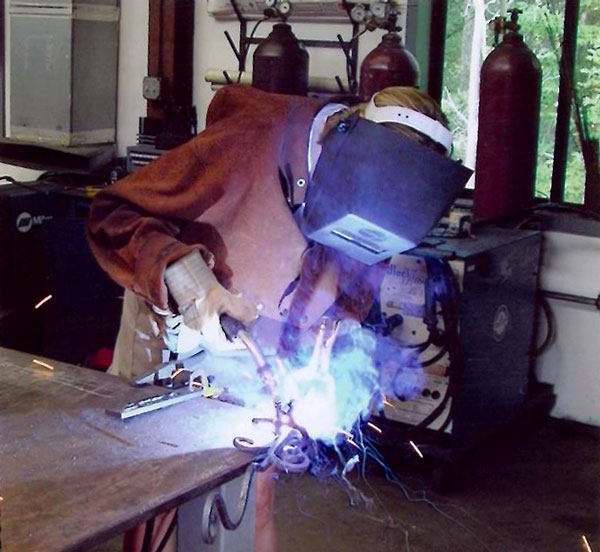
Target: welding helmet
(375, 192)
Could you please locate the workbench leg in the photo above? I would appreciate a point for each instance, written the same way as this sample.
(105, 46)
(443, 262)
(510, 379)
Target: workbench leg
(189, 522)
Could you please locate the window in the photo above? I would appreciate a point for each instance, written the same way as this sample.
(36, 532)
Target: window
(469, 31)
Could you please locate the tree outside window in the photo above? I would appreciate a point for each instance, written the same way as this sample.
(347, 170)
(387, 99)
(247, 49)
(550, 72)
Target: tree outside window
(542, 27)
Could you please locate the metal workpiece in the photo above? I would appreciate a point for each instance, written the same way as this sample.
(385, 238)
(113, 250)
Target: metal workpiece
(150, 404)
(73, 477)
(193, 377)
(292, 448)
(166, 375)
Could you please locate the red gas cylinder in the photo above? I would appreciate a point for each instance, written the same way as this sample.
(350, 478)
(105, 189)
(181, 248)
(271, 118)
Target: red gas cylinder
(389, 64)
(280, 63)
(509, 116)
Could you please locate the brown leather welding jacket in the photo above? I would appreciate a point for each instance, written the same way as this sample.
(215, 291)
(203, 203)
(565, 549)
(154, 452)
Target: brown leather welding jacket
(220, 192)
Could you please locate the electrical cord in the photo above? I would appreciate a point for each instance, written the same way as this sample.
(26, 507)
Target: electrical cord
(550, 326)
(72, 179)
(14, 182)
(57, 178)
(444, 291)
(244, 54)
(435, 358)
(440, 270)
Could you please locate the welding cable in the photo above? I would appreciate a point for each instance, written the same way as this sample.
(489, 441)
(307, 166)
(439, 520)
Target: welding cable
(450, 313)
(14, 182)
(435, 358)
(420, 347)
(430, 316)
(449, 304)
(447, 421)
(550, 327)
(71, 179)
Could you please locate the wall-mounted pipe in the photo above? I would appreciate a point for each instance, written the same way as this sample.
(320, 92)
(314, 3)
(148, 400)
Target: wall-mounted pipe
(589, 301)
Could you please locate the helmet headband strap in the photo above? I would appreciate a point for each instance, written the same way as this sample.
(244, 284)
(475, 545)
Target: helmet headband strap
(414, 119)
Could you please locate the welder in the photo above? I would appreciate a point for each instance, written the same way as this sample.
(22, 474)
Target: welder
(283, 207)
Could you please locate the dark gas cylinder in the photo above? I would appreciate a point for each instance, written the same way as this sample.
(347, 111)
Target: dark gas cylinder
(280, 63)
(389, 64)
(509, 116)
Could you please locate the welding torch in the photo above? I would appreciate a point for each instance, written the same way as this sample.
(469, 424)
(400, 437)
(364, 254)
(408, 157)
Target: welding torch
(235, 329)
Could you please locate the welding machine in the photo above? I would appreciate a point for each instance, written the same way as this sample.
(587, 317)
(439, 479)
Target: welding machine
(43, 251)
(483, 289)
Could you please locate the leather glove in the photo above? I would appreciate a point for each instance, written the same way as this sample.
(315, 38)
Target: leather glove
(202, 299)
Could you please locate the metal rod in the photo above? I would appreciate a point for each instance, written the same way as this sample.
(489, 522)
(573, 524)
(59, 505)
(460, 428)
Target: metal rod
(352, 80)
(236, 52)
(565, 98)
(243, 46)
(227, 77)
(590, 301)
(339, 83)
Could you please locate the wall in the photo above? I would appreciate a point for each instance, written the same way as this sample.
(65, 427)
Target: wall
(572, 265)
(133, 48)
(18, 173)
(211, 51)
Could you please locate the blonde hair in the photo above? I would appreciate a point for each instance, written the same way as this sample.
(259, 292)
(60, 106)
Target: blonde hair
(402, 96)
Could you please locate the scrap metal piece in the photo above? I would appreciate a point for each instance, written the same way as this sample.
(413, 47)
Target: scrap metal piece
(289, 451)
(155, 402)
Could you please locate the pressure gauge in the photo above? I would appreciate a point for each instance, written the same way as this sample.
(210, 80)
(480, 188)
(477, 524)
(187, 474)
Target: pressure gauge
(358, 13)
(378, 9)
(284, 8)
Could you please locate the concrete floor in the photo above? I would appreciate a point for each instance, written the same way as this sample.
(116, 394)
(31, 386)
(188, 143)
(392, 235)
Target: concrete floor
(540, 493)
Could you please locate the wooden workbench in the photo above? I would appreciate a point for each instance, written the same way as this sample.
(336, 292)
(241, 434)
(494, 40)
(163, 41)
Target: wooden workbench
(72, 477)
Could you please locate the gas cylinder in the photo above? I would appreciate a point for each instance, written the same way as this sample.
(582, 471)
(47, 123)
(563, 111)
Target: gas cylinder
(280, 63)
(389, 64)
(509, 116)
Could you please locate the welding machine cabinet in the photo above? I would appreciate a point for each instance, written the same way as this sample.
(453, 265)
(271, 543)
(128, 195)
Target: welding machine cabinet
(43, 250)
(496, 273)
